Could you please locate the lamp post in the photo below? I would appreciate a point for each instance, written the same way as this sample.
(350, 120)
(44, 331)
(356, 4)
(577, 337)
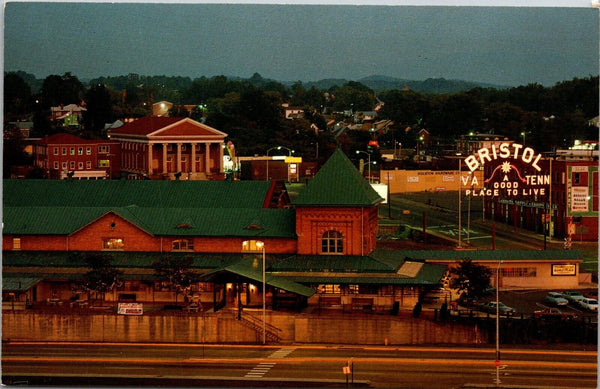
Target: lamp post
(497, 362)
(290, 151)
(261, 245)
(368, 155)
(459, 201)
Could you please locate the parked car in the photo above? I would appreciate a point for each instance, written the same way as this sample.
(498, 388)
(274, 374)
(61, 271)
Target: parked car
(490, 307)
(555, 298)
(572, 296)
(593, 294)
(553, 313)
(588, 304)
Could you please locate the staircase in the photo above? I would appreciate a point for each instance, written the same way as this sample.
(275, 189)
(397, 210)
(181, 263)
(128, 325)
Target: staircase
(256, 324)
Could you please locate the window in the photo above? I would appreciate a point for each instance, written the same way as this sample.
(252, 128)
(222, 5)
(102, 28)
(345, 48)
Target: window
(252, 245)
(16, 243)
(329, 289)
(104, 163)
(112, 244)
(56, 164)
(72, 165)
(576, 178)
(64, 151)
(517, 272)
(88, 151)
(332, 242)
(80, 151)
(103, 149)
(56, 151)
(88, 164)
(183, 245)
(64, 166)
(72, 150)
(80, 166)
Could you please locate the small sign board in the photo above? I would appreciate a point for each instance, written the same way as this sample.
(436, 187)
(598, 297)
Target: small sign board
(130, 309)
(564, 270)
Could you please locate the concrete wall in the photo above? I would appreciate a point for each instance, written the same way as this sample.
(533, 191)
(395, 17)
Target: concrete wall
(223, 327)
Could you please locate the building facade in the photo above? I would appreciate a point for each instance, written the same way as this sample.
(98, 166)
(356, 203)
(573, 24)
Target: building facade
(170, 148)
(67, 156)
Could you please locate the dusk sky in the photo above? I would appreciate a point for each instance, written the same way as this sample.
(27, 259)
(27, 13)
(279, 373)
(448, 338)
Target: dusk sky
(504, 46)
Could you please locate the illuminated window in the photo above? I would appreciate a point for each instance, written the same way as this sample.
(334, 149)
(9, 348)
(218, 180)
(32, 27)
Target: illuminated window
(16, 243)
(103, 163)
(112, 244)
(88, 151)
(252, 245)
(103, 149)
(80, 151)
(88, 164)
(183, 245)
(332, 242)
(329, 289)
(72, 150)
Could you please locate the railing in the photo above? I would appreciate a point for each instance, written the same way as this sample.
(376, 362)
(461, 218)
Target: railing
(256, 324)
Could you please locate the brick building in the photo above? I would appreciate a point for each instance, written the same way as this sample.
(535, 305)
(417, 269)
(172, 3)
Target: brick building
(319, 249)
(170, 147)
(65, 155)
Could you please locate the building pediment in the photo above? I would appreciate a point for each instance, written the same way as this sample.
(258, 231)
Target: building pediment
(187, 128)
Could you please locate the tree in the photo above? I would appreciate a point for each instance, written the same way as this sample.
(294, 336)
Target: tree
(17, 96)
(102, 277)
(13, 150)
(98, 110)
(471, 279)
(174, 273)
(57, 90)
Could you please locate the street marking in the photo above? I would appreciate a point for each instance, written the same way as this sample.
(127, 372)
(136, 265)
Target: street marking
(264, 367)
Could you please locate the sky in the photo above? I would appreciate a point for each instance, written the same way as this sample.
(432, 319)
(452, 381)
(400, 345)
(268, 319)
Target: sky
(506, 46)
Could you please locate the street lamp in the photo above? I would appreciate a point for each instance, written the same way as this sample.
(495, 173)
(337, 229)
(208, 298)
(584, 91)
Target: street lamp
(459, 201)
(497, 363)
(368, 155)
(523, 134)
(290, 151)
(261, 245)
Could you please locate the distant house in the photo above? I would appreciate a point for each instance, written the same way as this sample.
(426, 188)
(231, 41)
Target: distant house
(170, 148)
(69, 115)
(162, 108)
(67, 156)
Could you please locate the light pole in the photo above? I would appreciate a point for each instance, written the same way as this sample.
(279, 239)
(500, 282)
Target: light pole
(261, 245)
(368, 155)
(290, 151)
(523, 134)
(459, 201)
(497, 362)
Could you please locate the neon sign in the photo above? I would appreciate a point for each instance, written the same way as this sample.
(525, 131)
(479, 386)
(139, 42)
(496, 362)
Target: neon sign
(507, 178)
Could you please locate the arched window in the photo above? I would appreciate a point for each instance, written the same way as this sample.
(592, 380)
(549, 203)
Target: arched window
(332, 242)
(183, 245)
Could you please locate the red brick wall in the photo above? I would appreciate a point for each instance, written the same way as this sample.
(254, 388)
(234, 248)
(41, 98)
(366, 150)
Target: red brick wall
(358, 227)
(135, 239)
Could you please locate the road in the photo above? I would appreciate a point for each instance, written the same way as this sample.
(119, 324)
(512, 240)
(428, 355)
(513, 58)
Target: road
(292, 365)
(441, 217)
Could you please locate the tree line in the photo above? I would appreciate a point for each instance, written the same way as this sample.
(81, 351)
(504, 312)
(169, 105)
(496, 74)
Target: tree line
(250, 110)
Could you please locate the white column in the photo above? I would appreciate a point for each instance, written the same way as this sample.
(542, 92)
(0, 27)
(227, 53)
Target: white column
(207, 158)
(164, 158)
(220, 161)
(178, 157)
(193, 157)
(149, 159)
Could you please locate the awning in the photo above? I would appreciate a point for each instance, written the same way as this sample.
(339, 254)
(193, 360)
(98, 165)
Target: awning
(19, 284)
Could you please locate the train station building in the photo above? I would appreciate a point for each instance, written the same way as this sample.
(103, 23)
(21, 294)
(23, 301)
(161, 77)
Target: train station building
(318, 250)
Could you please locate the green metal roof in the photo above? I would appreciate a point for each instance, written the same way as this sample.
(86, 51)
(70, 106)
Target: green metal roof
(239, 222)
(18, 282)
(338, 183)
(141, 193)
